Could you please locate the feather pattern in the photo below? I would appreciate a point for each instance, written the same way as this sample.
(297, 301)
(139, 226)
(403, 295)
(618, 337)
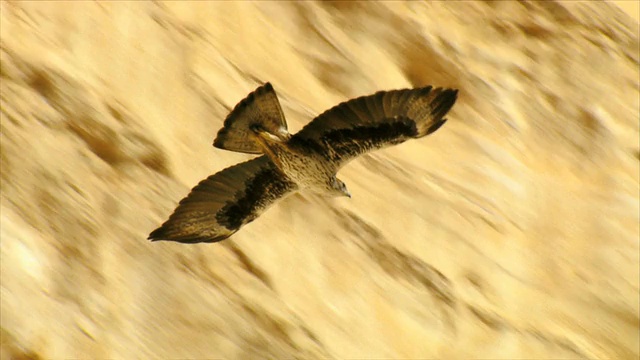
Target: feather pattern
(367, 123)
(221, 204)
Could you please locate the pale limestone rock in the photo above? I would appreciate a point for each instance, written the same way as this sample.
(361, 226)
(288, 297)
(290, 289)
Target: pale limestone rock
(510, 233)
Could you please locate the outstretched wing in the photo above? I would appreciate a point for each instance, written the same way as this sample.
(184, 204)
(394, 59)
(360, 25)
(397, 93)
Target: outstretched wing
(219, 205)
(375, 121)
(260, 108)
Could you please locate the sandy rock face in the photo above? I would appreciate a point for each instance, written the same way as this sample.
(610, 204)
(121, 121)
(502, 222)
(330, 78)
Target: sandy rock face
(513, 231)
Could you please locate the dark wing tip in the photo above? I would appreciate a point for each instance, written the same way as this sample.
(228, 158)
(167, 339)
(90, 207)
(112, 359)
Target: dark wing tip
(440, 106)
(157, 234)
(443, 103)
(436, 126)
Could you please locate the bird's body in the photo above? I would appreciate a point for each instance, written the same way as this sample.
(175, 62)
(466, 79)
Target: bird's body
(290, 157)
(221, 204)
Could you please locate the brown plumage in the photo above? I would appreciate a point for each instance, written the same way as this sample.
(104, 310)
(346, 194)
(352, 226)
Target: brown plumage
(221, 204)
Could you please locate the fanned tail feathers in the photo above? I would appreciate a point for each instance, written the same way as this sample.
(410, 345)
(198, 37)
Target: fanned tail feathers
(260, 110)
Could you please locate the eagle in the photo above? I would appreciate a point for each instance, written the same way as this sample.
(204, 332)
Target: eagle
(221, 204)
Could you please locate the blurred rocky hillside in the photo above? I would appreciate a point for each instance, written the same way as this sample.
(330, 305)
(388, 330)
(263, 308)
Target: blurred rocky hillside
(512, 232)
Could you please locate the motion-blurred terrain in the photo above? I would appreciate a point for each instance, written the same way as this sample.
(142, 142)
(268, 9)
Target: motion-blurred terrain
(512, 232)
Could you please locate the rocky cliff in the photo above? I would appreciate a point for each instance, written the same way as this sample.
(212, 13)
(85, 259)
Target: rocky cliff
(512, 232)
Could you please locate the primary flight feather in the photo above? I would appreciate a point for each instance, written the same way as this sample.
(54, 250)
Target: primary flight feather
(221, 204)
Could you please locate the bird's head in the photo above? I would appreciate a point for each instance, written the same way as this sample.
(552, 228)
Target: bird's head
(339, 188)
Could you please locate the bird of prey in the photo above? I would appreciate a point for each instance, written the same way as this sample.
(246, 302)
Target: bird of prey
(221, 204)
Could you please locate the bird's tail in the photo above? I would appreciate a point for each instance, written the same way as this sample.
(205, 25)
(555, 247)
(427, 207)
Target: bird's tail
(259, 112)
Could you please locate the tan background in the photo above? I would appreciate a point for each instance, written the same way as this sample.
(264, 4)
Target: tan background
(511, 232)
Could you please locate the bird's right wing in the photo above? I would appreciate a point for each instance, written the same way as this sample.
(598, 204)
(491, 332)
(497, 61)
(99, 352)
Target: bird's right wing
(219, 205)
(371, 122)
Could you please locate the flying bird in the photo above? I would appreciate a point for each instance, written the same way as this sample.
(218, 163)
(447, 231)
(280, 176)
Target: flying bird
(222, 203)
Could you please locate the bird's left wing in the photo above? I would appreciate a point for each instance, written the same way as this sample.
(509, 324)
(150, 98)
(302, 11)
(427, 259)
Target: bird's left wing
(219, 205)
(375, 121)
